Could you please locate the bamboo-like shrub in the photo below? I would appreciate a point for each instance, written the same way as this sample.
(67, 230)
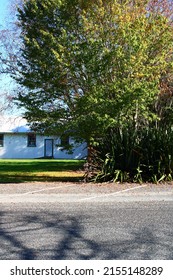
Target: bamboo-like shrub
(126, 155)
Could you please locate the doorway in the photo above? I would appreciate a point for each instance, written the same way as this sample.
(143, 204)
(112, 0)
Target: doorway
(48, 148)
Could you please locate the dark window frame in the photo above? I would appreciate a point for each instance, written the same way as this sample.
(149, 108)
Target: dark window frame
(31, 140)
(1, 140)
(64, 140)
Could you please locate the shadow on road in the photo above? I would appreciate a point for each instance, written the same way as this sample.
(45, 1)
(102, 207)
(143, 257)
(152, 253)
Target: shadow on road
(32, 237)
(54, 236)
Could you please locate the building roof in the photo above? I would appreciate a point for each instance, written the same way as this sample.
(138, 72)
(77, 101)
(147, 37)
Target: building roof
(11, 124)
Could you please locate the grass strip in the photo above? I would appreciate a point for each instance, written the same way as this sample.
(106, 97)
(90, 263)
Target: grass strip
(15, 171)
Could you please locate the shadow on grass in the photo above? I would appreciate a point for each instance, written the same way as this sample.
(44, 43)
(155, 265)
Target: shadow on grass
(18, 171)
(40, 165)
(23, 179)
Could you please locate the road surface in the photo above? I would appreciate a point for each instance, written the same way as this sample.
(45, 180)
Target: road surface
(84, 222)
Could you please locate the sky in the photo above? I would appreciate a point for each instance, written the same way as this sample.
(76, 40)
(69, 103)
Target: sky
(5, 84)
(3, 11)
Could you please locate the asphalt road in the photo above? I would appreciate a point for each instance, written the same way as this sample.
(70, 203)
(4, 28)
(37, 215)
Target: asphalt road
(55, 221)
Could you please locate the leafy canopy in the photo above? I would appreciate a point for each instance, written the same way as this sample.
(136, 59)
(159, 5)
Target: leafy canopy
(88, 66)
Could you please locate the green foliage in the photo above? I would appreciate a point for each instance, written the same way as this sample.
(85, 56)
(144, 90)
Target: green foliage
(90, 65)
(125, 155)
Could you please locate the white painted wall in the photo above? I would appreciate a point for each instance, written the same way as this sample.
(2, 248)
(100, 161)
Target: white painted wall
(15, 146)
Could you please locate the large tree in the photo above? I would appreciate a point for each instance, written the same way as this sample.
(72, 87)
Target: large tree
(87, 66)
(9, 54)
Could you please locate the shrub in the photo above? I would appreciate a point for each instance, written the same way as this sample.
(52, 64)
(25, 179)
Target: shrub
(127, 155)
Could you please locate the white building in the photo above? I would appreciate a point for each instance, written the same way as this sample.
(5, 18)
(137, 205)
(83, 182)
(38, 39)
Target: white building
(18, 141)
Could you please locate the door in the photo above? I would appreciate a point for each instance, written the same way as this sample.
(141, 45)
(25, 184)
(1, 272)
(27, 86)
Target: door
(48, 148)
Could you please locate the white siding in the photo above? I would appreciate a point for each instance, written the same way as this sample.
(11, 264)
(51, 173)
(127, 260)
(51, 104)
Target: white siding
(15, 146)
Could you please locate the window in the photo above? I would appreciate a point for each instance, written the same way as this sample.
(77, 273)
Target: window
(64, 140)
(31, 140)
(1, 140)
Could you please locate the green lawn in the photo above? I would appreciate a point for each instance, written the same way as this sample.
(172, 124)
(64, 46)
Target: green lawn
(15, 171)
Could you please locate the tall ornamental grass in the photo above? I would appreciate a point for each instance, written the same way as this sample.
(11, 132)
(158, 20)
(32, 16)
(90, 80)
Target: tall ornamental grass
(125, 155)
